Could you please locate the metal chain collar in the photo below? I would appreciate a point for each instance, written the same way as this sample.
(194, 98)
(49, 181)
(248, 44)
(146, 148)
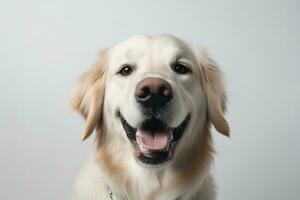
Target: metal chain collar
(110, 194)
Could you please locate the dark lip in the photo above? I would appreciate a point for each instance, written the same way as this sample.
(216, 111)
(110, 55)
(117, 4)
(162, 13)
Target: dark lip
(155, 158)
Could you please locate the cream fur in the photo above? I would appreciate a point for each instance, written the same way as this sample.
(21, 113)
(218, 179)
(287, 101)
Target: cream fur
(112, 164)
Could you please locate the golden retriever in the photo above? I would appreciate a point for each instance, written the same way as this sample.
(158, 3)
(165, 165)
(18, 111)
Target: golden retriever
(151, 101)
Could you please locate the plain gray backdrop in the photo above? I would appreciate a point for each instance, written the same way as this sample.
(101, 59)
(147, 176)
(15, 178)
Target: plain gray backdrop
(45, 45)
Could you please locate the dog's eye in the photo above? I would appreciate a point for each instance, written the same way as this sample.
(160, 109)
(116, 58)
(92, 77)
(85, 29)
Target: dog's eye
(180, 68)
(126, 70)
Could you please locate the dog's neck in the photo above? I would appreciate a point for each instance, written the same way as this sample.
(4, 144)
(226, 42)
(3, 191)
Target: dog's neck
(129, 180)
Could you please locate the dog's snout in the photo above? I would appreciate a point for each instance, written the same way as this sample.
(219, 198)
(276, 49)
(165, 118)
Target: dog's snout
(153, 92)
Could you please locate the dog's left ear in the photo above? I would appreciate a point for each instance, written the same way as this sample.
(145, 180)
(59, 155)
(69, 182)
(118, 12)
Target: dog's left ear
(215, 93)
(88, 95)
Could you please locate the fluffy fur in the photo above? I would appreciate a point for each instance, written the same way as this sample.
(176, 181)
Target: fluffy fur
(112, 165)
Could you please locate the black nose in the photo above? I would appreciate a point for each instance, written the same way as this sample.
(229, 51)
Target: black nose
(153, 92)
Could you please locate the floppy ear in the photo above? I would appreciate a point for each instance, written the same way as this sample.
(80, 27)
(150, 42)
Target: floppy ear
(215, 94)
(88, 94)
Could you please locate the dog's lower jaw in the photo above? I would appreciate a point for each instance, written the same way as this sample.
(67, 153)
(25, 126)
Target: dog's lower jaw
(121, 170)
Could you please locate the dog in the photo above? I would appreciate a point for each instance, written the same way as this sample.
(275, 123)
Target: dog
(151, 101)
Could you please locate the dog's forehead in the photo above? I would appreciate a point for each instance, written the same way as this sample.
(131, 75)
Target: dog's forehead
(136, 47)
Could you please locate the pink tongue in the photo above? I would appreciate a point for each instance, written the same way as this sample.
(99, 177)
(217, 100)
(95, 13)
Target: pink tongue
(152, 141)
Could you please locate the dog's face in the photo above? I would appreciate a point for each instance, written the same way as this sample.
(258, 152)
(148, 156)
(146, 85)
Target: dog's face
(156, 93)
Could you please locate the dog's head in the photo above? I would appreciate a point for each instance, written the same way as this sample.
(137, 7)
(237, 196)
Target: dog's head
(154, 93)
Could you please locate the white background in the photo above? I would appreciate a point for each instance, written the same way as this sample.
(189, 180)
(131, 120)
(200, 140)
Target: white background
(45, 45)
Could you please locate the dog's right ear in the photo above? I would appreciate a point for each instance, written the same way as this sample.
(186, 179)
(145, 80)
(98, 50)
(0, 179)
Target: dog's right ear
(215, 93)
(214, 90)
(88, 95)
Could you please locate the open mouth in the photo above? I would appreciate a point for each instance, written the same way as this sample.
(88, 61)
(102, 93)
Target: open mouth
(154, 141)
